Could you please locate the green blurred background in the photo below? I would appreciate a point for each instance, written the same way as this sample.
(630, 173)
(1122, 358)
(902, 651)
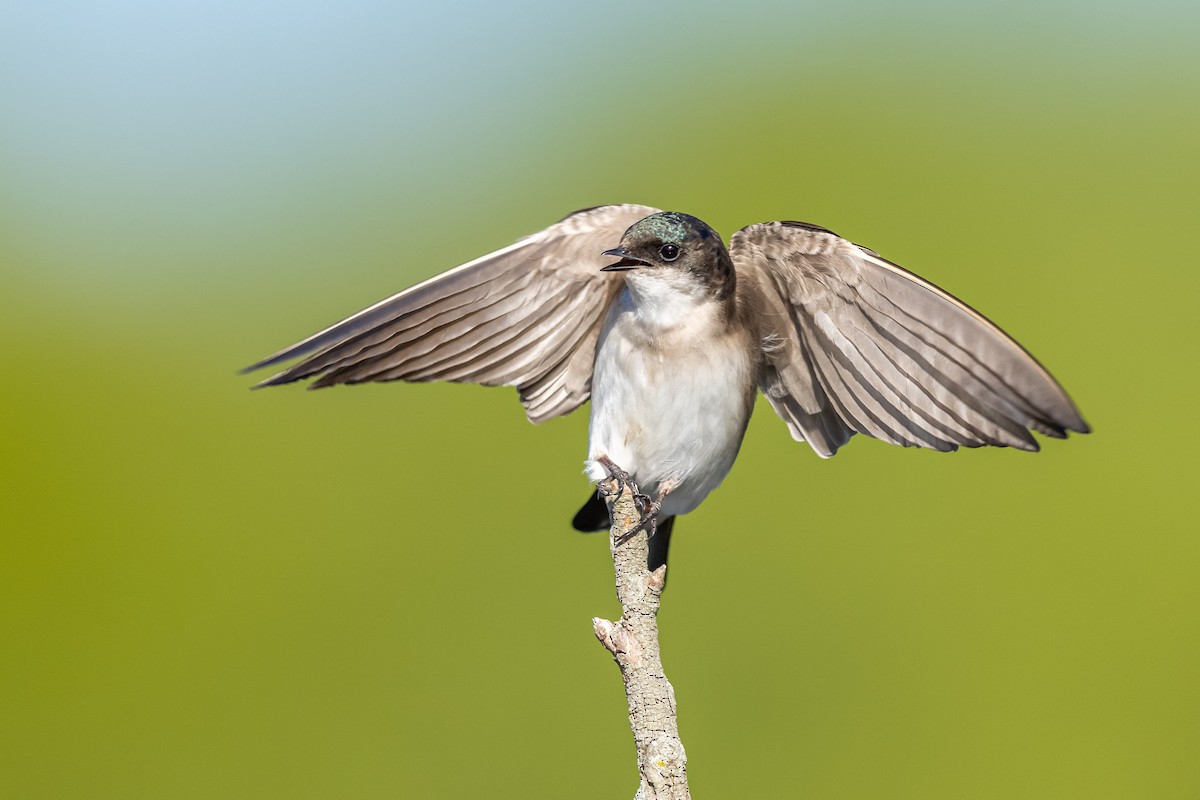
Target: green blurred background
(373, 592)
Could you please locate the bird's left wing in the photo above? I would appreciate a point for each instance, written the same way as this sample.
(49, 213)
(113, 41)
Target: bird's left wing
(857, 344)
(528, 316)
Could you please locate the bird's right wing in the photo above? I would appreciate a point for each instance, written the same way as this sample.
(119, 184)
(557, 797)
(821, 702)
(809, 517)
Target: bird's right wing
(528, 316)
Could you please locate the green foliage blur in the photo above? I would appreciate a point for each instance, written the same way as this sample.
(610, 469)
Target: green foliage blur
(374, 592)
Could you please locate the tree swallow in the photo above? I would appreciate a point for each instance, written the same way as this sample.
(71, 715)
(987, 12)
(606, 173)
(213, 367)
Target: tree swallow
(672, 340)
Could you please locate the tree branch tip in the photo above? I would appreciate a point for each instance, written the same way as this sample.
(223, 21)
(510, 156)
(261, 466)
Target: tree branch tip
(633, 642)
(604, 632)
(656, 580)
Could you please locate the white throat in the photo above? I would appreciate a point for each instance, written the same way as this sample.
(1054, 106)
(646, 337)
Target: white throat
(665, 299)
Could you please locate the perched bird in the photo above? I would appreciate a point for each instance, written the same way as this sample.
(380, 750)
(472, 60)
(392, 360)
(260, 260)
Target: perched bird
(673, 339)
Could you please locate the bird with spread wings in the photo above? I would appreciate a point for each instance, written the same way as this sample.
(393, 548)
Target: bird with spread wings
(846, 342)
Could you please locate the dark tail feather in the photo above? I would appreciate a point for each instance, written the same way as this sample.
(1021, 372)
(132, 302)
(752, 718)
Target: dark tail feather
(659, 543)
(594, 517)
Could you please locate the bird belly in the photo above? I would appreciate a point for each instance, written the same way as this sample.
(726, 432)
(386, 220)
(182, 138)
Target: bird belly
(672, 419)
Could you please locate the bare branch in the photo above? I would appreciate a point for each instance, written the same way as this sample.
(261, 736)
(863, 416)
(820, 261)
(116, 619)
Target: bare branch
(633, 642)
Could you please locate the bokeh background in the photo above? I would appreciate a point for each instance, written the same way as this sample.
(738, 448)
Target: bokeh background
(373, 591)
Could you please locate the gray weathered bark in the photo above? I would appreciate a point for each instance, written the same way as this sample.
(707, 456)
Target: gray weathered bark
(633, 642)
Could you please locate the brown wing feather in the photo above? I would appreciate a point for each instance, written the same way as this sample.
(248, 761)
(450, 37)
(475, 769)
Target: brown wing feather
(527, 315)
(864, 346)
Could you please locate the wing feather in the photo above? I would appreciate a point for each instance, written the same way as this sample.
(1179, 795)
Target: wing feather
(527, 316)
(858, 344)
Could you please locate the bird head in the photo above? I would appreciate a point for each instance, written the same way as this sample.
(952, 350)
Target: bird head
(673, 243)
(668, 239)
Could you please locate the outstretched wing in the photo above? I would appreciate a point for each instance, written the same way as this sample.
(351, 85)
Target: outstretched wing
(527, 316)
(861, 345)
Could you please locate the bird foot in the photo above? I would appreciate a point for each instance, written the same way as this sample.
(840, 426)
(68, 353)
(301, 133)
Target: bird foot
(647, 508)
(649, 521)
(615, 474)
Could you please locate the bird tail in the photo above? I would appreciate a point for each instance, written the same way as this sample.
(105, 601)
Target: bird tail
(593, 516)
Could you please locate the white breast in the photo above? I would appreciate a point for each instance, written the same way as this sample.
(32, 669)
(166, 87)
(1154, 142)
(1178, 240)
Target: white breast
(671, 393)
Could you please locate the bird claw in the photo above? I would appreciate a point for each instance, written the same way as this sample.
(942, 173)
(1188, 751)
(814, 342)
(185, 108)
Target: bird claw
(649, 521)
(647, 508)
(616, 474)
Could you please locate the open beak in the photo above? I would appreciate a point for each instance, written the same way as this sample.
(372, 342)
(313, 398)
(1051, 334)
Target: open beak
(627, 261)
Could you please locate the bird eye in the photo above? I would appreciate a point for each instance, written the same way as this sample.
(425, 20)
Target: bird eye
(669, 252)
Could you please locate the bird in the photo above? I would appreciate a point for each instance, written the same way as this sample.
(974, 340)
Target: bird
(673, 340)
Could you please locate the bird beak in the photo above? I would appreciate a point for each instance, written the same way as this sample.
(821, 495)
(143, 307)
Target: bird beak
(627, 261)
